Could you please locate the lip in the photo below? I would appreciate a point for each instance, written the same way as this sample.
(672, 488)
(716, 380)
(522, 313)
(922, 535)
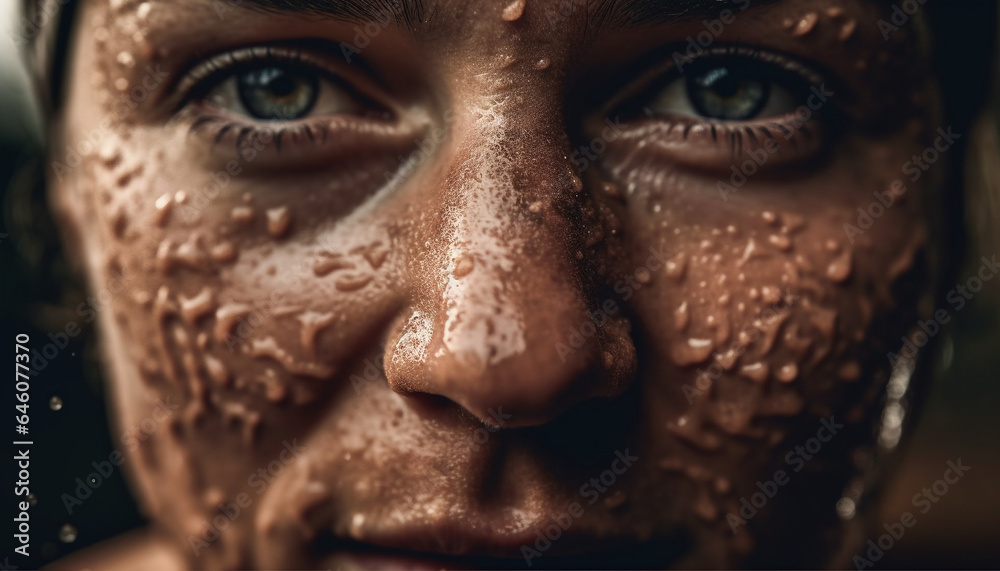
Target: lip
(454, 545)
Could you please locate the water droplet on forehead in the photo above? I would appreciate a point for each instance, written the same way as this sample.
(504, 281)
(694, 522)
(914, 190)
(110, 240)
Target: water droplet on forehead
(67, 533)
(55, 403)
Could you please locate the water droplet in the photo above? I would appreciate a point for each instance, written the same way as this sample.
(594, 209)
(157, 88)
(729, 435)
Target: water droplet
(755, 372)
(675, 267)
(692, 352)
(126, 59)
(513, 11)
(769, 217)
(55, 403)
(241, 214)
(806, 24)
(681, 317)
(780, 241)
(643, 276)
(67, 533)
(463, 266)
(840, 268)
(542, 63)
(278, 221)
(353, 282)
(787, 373)
(223, 252)
(847, 30)
(770, 294)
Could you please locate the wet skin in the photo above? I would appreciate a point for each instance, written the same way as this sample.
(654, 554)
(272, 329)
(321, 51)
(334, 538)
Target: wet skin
(422, 319)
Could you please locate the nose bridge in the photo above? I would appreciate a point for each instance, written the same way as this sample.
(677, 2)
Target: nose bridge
(500, 284)
(507, 171)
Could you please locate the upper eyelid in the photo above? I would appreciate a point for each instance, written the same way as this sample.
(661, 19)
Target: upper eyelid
(662, 68)
(193, 81)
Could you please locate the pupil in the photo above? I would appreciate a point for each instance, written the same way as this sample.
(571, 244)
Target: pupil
(282, 86)
(726, 86)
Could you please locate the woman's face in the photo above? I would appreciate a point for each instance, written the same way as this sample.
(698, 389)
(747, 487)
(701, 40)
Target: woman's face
(528, 285)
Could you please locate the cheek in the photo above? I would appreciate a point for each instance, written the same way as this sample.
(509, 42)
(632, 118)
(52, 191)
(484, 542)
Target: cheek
(241, 300)
(764, 314)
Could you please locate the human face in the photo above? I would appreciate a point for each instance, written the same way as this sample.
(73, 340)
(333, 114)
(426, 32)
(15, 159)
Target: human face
(440, 282)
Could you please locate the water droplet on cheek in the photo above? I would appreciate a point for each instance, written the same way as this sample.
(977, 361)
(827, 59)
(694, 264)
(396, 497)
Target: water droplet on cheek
(278, 221)
(787, 373)
(675, 267)
(840, 268)
(691, 352)
(755, 371)
(241, 214)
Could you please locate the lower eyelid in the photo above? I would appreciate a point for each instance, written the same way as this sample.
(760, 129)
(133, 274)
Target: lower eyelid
(320, 142)
(720, 146)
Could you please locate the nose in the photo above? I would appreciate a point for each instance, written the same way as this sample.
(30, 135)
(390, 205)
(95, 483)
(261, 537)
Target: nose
(499, 285)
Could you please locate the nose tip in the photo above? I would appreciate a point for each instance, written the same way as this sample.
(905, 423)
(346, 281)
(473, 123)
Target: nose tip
(511, 354)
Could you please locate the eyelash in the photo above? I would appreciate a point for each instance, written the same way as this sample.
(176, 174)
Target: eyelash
(197, 84)
(735, 135)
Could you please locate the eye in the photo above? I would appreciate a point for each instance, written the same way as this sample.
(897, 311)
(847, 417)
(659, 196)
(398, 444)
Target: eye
(727, 91)
(279, 92)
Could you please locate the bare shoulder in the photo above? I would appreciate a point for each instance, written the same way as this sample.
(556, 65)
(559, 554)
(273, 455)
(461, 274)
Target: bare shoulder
(140, 549)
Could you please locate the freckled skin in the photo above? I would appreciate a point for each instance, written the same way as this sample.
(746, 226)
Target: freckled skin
(379, 321)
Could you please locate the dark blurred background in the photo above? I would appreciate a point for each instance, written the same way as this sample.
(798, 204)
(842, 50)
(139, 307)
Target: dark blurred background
(71, 432)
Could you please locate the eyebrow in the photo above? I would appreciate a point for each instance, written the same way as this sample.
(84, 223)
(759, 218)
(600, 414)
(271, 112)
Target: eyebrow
(405, 13)
(629, 13)
(601, 14)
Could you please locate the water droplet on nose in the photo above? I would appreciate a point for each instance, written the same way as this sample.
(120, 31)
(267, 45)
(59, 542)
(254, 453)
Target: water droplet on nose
(463, 266)
(513, 11)
(67, 533)
(542, 63)
(55, 403)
